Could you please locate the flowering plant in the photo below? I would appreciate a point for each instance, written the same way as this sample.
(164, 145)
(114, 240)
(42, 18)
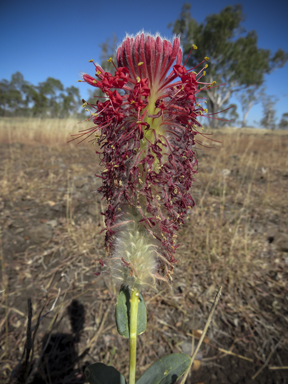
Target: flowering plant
(145, 125)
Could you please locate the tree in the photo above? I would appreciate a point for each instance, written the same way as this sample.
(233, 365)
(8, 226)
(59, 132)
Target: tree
(31, 97)
(20, 106)
(248, 98)
(70, 102)
(10, 96)
(269, 112)
(49, 89)
(17, 96)
(229, 116)
(20, 98)
(235, 60)
(284, 121)
(17, 81)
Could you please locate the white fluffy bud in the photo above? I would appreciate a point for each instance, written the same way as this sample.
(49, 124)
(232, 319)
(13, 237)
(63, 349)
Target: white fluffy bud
(134, 260)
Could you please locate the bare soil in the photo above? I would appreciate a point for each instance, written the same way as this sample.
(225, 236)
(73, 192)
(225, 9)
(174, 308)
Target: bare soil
(51, 243)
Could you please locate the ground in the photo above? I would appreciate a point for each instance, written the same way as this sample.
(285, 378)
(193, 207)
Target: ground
(51, 243)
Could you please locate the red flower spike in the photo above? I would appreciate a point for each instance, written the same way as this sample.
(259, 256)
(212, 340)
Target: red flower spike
(147, 135)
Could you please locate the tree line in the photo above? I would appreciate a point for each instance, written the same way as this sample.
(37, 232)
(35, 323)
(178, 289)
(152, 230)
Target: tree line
(50, 98)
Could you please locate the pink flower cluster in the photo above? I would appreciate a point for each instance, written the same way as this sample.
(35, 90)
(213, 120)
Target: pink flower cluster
(146, 128)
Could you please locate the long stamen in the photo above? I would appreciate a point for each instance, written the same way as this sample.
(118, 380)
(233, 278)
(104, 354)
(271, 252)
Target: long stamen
(147, 127)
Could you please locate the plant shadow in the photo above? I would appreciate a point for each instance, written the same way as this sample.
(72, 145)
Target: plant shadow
(59, 362)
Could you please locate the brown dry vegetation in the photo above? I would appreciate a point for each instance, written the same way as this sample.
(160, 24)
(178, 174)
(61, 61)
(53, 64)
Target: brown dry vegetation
(51, 243)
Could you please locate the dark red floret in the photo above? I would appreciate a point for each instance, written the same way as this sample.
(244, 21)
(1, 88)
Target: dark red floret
(147, 127)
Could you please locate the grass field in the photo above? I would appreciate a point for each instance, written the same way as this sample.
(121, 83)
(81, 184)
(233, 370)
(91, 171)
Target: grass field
(51, 242)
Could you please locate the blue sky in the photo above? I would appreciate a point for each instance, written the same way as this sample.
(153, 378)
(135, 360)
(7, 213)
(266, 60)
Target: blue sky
(57, 38)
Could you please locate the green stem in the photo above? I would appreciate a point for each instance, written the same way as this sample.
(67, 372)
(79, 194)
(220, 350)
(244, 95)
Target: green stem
(133, 334)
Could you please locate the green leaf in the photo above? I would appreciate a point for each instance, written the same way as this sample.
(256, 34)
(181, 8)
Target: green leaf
(99, 373)
(122, 313)
(166, 370)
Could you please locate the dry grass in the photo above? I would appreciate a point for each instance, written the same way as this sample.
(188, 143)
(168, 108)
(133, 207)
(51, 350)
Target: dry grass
(240, 193)
(37, 131)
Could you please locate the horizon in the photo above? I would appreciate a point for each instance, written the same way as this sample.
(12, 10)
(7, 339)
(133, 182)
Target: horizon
(31, 47)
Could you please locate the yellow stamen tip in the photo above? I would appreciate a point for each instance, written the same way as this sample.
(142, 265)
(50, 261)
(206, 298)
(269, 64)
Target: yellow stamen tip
(90, 61)
(214, 82)
(206, 66)
(110, 60)
(141, 62)
(138, 79)
(84, 105)
(204, 73)
(94, 81)
(194, 46)
(79, 81)
(98, 73)
(206, 58)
